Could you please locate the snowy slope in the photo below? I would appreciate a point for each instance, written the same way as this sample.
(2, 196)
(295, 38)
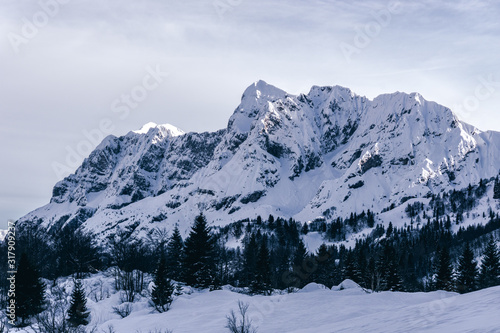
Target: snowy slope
(326, 153)
(323, 310)
(312, 309)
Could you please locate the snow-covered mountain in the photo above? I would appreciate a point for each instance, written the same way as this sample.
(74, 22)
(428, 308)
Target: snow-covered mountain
(326, 153)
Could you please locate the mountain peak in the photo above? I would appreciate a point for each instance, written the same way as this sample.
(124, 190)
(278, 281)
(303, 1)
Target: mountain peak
(166, 129)
(260, 89)
(253, 101)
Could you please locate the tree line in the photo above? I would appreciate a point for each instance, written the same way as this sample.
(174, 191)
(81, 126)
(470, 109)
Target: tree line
(271, 255)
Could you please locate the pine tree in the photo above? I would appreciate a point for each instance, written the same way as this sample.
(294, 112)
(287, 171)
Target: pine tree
(250, 260)
(77, 312)
(371, 274)
(370, 220)
(496, 189)
(389, 231)
(262, 283)
(444, 276)
(388, 274)
(162, 293)
(300, 254)
(324, 272)
(199, 258)
(30, 290)
(351, 270)
(467, 271)
(305, 229)
(175, 253)
(490, 267)
(298, 276)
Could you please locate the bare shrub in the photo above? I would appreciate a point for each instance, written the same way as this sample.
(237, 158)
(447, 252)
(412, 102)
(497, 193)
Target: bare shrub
(98, 291)
(242, 324)
(123, 310)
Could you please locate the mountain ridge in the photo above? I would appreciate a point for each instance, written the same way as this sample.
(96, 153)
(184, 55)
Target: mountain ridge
(322, 154)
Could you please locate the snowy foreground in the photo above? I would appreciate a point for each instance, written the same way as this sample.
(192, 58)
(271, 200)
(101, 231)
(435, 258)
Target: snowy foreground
(312, 309)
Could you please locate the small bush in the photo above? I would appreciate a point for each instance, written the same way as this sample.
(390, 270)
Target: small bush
(123, 310)
(243, 324)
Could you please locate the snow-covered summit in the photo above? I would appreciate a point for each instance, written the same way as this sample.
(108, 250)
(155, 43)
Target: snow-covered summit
(325, 154)
(167, 129)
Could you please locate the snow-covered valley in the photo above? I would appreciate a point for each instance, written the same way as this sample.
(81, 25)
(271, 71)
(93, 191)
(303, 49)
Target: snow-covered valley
(315, 308)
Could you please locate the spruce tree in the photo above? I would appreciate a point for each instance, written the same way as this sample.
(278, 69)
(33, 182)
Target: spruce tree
(467, 271)
(30, 290)
(324, 272)
(300, 254)
(444, 276)
(490, 267)
(298, 275)
(387, 270)
(351, 270)
(77, 312)
(262, 283)
(250, 260)
(496, 189)
(199, 255)
(175, 253)
(162, 293)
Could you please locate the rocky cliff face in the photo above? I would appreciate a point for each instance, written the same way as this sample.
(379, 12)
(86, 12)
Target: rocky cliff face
(327, 153)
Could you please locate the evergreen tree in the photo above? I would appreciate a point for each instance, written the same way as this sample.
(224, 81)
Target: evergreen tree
(300, 254)
(305, 229)
(250, 260)
(388, 275)
(30, 290)
(490, 267)
(371, 274)
(351, 269)
(444, 276)
(496, 189)
(199, 258)
(175, 253)
(390, 228)
(162, 293)
(262, 283)
(370, 220)
(324, 272)
(77, 312)
(298, 276)
(467, 271)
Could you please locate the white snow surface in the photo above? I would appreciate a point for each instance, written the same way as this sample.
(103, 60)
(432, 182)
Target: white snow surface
(3, 233)
(326, 153)
(313, 309)
(166, 128)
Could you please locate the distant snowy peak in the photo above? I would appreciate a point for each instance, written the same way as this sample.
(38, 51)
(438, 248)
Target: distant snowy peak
(166, 129)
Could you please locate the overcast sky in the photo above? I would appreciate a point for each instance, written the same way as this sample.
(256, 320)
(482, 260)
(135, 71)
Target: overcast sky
(108, 67)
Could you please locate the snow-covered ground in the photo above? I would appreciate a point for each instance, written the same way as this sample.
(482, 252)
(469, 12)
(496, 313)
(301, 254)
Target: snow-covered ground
(312, 309)
(3, 233)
